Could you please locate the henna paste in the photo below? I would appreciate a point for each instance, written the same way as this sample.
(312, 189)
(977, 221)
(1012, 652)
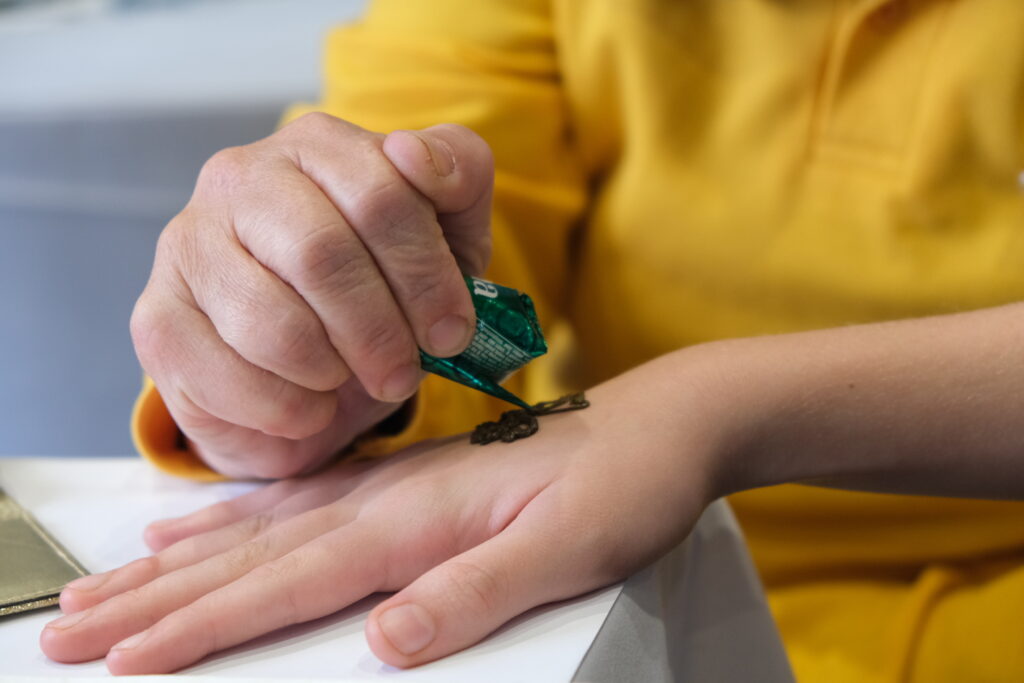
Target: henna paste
(522, 422)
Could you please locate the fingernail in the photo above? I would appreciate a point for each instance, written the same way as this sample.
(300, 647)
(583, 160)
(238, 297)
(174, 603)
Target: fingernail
(408, 627)
(400, 384)
(448, 335)
(89, 583)
(131, 643)
(442, 154)
(67, 621)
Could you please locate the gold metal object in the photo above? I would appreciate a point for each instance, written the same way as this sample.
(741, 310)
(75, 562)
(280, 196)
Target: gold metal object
(34, 567)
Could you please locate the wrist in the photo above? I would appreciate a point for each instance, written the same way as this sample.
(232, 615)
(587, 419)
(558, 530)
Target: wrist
(730, 407)
(688, 403)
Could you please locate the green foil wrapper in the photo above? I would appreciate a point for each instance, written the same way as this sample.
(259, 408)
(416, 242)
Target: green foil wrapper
(507, 337)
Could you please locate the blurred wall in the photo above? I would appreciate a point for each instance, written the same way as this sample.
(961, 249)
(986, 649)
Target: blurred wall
(105, 118)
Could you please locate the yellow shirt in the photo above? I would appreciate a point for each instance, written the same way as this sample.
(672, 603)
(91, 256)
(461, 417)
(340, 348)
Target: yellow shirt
(675, 172)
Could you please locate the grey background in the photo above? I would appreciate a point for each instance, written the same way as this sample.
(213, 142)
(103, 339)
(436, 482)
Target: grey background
(106, 115)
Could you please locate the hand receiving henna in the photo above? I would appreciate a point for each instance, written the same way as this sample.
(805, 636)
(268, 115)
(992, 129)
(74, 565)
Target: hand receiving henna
(469, 536)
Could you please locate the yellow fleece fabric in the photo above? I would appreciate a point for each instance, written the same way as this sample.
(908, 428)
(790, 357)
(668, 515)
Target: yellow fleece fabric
(675, 172)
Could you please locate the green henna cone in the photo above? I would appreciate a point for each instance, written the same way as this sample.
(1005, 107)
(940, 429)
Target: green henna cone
(507, 337)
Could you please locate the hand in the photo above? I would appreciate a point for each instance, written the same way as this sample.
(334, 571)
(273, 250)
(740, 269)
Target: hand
(469, 536)
(287, 300)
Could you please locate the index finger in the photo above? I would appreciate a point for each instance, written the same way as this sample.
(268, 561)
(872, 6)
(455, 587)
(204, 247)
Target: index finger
(396, 222)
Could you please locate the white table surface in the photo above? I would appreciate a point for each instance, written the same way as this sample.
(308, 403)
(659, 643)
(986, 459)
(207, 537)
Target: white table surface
(98, 507)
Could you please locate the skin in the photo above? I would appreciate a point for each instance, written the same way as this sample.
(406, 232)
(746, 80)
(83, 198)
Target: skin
(469, 537)
(271, 355)
(287, 300)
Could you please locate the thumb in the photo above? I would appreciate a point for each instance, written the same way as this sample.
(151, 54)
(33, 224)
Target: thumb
(453, 167)
(457, 603)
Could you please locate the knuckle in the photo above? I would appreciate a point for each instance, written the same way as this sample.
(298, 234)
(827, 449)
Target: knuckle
(330, 374)
(248, 555)
(289, 418)
(180, 251)
(317, 127)
(190, 414)
(294, 342)
(274, 571)
(317, 122)
(216, 514)
(387, 211)
(204, 624)
(303, 347)
(237, 328)
(382, 338)
(149, 329)
(225, 170)
(327, 260)
(479, 591)
(281, 574)
(139, 601)
(133, 595)
(168, 243)
(430, 288)
(209, 626)
(256, 525)
(147, 568)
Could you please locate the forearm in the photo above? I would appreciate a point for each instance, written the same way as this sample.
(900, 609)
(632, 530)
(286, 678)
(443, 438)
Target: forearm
(927, 406)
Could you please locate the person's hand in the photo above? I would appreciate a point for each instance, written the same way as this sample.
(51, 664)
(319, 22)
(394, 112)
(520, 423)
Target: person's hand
(470, 536)
(288, 299)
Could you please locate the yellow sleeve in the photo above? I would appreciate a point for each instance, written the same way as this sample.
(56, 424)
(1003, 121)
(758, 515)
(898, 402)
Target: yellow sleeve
(158, 439)
(491, 66)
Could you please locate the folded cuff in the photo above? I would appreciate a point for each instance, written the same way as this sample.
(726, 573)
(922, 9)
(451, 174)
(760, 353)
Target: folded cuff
(158, 439)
